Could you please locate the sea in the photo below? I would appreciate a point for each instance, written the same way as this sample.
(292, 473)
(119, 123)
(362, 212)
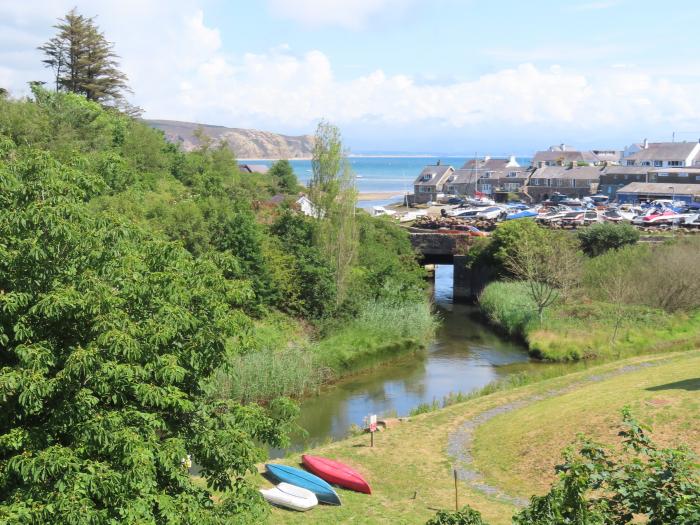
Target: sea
(384, 174)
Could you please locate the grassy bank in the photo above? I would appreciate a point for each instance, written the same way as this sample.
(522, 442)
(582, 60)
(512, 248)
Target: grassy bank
(522, 459)
(379, 332)
(284, 360)
(584, 328)
(411, 473)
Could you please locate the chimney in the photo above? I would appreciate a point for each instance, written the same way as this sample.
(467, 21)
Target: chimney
(540, 164)
(486, 158)
(646, 144)
(562, 146)
(438, 162)
(512, 162)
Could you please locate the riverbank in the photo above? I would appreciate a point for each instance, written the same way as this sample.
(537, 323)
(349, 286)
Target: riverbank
(410, 467)
(587, 329)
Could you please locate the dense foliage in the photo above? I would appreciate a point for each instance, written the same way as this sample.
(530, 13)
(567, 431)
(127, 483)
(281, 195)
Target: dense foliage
(625, 300)
(599, 238)
(131, 273)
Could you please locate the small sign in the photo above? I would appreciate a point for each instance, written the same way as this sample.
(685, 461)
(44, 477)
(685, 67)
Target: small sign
(373, 423)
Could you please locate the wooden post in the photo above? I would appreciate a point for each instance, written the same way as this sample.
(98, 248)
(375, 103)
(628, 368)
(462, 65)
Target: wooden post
(371, 439)
(456, 494)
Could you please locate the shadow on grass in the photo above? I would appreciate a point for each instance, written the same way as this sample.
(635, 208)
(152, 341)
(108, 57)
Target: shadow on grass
(686, 384)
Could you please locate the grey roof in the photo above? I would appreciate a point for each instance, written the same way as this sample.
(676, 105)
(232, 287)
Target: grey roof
(440, 172)
(465, 176)
(564, 172)
(694, 170)
(565, 157)
(627, 170)
(486, 165)
(664, 151)
(658, 188)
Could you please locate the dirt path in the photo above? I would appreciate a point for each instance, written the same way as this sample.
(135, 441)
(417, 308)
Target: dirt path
(459, 443)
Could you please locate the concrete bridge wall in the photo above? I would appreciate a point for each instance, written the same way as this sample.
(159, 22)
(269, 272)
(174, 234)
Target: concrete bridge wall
(442, 248)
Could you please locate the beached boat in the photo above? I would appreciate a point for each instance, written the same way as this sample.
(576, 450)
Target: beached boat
(336, 472)
(290, 497)
(286, 474)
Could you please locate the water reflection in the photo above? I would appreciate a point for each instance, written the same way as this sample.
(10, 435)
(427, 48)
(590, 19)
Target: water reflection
(465, 356)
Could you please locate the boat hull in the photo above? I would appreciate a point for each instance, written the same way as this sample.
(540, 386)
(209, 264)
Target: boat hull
(294, 476)
(336, 473)
(290, 497)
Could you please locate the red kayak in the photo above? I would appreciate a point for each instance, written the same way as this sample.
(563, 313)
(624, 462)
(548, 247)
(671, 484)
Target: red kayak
(336, 472)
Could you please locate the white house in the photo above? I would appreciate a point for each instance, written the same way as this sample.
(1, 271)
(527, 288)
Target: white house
(665, 155)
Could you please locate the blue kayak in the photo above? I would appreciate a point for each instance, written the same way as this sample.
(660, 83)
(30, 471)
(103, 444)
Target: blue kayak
(324, 492)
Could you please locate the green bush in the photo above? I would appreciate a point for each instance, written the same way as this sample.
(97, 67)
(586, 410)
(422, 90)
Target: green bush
(508, 305)
(599, 238)
(465, 516)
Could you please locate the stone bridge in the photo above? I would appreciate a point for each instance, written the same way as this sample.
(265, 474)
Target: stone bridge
(451, 248)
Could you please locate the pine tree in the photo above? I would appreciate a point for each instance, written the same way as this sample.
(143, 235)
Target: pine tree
(84, 62)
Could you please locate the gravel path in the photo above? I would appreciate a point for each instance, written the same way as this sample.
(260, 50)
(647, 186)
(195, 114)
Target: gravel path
(460, 442)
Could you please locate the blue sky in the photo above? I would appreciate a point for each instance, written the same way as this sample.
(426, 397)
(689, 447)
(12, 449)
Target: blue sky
(443, 76)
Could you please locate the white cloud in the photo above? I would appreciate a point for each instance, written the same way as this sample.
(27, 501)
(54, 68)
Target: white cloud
(179, 69)
(352, 14)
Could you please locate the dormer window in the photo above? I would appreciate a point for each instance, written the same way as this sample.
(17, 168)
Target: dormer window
(658, 163)
(630, 163)
(675, 163)
(512, 173)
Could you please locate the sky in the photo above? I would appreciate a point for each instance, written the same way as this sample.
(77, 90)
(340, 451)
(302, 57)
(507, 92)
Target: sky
(437, 76)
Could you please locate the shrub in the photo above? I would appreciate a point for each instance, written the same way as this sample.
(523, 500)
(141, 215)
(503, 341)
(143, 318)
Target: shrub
(465, 516)
(600, 238)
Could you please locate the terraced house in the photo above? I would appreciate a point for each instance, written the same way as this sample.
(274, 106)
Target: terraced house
(572, 181)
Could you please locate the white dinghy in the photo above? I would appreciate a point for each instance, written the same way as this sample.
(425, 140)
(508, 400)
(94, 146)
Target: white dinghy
(290, 497)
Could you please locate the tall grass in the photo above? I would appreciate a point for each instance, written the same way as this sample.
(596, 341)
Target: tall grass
(381, 330)
(507, 305)
(264, 375)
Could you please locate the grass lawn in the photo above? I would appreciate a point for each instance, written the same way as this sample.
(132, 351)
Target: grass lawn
(517, 451)
(411, 474)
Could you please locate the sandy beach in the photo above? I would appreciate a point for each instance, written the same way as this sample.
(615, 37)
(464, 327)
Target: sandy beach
(379, 195)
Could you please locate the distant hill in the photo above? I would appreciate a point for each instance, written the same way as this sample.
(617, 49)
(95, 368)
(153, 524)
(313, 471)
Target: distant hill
(245, 143)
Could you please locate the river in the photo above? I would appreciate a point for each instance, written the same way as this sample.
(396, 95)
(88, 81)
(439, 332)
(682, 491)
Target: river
(464, 356)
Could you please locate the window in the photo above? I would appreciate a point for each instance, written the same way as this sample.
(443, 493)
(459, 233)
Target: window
(658, 163)
(682, 174)
(630, 163)
(646, 163)
(663, 174)
(512, 173)
(675, 163)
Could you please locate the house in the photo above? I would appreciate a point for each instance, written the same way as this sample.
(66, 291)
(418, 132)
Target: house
(573, 181)
(563, 155)
(615, 177)
(253, 168)
(506, 180)
(636, 192)
(307, 207)
(488, 163)
(608, 156)
(665, 155)
(689, 175)
(489, 175)
(431, 182)
(463, 182)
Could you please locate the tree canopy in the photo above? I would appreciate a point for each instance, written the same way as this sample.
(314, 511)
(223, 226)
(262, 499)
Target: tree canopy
(83, 61)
